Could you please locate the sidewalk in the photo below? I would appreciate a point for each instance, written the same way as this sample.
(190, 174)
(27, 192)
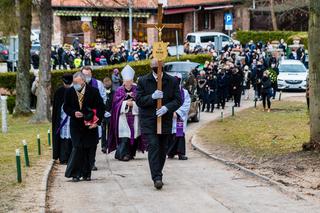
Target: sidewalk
(197, 185)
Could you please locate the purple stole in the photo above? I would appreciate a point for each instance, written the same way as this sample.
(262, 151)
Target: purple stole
(94, 83)
(180, 123)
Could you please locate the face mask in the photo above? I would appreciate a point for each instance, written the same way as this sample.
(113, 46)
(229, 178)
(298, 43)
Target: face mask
(77, 87)
(88, 79)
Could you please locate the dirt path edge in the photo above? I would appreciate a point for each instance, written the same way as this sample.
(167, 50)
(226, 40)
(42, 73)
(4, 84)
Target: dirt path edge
(196, 146)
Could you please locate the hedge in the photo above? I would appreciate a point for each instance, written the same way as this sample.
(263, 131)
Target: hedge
(8, 80)
(264, 36)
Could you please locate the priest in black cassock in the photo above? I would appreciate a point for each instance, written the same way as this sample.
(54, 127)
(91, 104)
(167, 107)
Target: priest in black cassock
(85, 107)
(61, 139)
(146, 99)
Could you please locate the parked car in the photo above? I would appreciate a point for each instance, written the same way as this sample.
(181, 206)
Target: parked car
(292, 75)
(35, 47)
(4, 53)
(203, 38)
(35, 36)
(185, 68)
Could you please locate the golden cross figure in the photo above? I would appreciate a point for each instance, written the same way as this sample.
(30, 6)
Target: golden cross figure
(160, 26)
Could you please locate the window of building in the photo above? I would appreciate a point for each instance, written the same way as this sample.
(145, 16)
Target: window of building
(206, 21)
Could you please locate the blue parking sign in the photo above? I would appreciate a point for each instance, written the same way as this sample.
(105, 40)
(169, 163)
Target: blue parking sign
(228, 20)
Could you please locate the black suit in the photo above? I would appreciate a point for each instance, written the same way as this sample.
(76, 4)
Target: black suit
(157, 144)
(106, 121)
(84, 140)
(171, 99)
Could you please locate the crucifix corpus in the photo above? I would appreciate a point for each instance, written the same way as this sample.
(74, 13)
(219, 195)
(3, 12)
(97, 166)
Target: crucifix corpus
(160, 52)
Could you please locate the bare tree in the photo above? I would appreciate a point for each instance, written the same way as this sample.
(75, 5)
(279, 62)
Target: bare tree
(314, 74)
(23, 75)
(273, 16)
(8, 19)
(43, 112)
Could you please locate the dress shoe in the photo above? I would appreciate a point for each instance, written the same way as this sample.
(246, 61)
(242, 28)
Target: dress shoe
(104, 150)
(126, 158)
(94, 168)
(170, 156)
(87, 178)
(75, 179)
(183, 157)
(158, 184)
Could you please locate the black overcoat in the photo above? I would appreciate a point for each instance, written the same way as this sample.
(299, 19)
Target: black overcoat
(147, 106)
(56, 120)
(81, 135)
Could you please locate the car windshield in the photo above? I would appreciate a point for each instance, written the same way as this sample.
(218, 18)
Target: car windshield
(183, 68)
(292, 68)
(191, 39)
(35, 47)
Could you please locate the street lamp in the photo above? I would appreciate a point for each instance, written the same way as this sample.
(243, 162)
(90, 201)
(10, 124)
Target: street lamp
(130, 25)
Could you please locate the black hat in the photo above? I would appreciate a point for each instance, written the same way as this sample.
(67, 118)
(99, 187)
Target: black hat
(67, 78)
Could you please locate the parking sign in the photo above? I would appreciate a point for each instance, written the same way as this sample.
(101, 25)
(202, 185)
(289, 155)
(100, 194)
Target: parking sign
(228, 20)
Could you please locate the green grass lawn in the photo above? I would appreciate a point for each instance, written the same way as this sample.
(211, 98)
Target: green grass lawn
(19, 129)
(262, 134)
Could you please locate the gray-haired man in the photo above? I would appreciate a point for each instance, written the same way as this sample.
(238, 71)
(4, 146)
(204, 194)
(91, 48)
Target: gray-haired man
(85, 107)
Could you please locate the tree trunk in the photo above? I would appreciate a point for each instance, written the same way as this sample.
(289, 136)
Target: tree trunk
(273, 16)
(314, 74)
(43, 113)
(23, 71)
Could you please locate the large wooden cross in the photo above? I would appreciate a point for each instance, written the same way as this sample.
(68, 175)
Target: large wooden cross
(160, 26)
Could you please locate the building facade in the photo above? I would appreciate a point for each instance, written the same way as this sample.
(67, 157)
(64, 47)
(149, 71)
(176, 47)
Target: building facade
(108, 20)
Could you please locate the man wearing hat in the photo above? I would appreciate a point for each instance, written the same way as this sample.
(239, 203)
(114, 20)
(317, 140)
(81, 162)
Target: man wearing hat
(61, 139)
(124, 131)
(147, 96)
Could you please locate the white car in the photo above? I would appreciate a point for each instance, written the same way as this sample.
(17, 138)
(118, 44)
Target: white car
(35, 36)
(292, 75)
(203, 38)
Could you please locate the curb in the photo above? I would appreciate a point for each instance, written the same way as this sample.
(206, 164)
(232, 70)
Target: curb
(249, 172)
(44, 186)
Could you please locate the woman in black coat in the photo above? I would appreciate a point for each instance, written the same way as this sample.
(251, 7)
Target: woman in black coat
(266, 90)
(236, 83)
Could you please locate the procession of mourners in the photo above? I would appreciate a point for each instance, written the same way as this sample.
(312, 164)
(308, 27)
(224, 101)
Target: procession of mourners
(121, 110)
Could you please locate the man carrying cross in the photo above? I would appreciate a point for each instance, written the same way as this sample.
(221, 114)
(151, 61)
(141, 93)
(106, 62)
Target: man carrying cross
(147, 96)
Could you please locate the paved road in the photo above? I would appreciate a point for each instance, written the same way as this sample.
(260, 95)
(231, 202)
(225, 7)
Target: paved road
(197, 185)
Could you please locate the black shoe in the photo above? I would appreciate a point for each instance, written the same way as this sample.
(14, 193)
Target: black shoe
(104, 150)
(183, 157)
(87, 178)
(126, 158)
(170, 156)
(63, 162)
(94, 168)
(75, 179)
(158, 184)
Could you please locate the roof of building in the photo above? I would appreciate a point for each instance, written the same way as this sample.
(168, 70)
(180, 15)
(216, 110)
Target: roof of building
(141, 4)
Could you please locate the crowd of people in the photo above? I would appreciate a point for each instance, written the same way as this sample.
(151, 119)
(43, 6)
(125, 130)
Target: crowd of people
(77, 55)
(232, 73)
(123, 113)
